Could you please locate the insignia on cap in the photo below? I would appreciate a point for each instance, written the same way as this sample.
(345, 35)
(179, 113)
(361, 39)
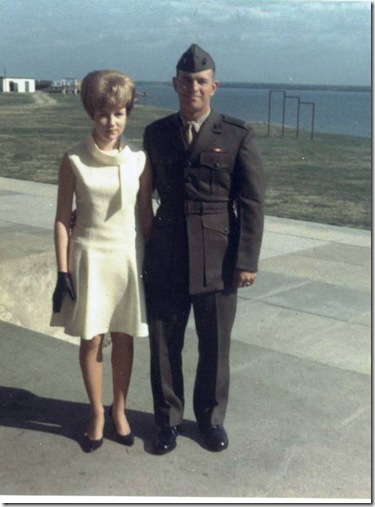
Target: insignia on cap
(195, 59)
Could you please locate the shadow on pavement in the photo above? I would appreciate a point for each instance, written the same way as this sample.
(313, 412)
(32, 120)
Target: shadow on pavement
(25, 410)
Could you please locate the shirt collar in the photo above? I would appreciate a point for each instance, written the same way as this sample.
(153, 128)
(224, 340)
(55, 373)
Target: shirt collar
(198, 122)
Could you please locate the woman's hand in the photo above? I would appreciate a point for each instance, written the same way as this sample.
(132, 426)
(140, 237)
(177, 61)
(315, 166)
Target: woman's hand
(63, 286)
(146, 213)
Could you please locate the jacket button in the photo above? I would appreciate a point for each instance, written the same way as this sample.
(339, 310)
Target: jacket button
(216, 165)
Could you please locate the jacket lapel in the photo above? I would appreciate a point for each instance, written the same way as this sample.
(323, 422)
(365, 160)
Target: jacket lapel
(176, 138)
(208, 135)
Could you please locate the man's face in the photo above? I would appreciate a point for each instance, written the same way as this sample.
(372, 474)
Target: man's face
(194, 90)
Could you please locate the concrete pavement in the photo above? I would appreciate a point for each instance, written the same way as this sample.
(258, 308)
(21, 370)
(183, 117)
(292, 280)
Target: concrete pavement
(299, 416)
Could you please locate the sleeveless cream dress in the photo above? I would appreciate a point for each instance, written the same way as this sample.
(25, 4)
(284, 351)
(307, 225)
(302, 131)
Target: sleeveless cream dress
(106, 247)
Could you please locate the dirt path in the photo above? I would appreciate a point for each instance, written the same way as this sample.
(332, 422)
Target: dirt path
(43, 99)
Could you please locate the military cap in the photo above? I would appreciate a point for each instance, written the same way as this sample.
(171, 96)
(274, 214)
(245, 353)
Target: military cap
(195, 59)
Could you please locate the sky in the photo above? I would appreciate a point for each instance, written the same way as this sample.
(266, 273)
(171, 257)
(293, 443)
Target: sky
(260, 41)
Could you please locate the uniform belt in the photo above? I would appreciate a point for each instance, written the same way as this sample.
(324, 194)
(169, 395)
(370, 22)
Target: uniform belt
(202, 208)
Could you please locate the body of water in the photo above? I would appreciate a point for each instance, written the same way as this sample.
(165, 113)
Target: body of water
(336, 112)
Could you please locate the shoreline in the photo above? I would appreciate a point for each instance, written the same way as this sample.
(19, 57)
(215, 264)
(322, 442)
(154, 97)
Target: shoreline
(260, 124)
(325, 180)
(272, 86)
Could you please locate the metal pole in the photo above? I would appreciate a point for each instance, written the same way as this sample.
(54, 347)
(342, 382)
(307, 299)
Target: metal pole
(269, 112)
(298, 99)
(312, 120)
(283, 124)
(298, 110)
(269, 106)
(312, 104)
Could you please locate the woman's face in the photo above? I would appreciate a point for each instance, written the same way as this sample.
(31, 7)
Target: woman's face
(109, 124)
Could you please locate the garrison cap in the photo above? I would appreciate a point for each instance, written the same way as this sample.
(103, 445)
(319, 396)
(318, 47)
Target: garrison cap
(195, 59)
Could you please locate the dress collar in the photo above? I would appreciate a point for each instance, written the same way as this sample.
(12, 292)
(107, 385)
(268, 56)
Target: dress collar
(109, 158)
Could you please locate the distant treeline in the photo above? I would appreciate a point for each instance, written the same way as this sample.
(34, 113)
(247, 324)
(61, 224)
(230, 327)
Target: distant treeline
(273, 86)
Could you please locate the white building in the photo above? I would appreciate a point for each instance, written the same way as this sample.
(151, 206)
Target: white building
(17, 84)
(66, 85)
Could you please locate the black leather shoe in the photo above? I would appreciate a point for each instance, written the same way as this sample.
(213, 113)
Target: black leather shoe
(89, 445)
(215, 438)
(128, 439)
(165, 439)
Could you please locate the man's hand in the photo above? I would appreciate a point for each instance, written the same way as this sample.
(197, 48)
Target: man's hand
(243, 278)
(63, 286)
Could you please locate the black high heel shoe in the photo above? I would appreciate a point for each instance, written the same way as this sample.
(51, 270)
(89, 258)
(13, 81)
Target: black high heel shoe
(89, 445)
(127, 440)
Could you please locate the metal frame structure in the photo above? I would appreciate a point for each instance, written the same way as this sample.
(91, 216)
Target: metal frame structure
(299, 103)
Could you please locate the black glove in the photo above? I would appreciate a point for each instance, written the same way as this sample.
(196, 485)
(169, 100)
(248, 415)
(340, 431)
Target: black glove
(63, 286)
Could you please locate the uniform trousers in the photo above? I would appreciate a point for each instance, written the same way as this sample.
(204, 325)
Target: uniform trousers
(168, 314)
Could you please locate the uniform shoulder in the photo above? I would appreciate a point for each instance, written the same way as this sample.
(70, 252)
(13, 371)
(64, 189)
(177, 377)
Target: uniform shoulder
(235, 121)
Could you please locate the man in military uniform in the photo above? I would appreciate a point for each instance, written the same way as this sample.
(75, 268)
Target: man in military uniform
(204, 245)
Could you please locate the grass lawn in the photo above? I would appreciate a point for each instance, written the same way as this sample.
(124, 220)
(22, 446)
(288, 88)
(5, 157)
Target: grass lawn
(326, 180)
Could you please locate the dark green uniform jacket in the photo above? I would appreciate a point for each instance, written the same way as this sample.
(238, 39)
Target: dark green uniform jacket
(210, 218)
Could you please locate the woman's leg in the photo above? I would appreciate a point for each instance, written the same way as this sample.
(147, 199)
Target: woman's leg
(122, 363)
(91, 361)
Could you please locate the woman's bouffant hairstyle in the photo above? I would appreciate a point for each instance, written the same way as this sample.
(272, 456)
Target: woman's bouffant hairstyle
(107, 88)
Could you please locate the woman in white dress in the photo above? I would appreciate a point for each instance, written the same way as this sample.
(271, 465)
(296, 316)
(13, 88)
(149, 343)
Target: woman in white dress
(99, 288)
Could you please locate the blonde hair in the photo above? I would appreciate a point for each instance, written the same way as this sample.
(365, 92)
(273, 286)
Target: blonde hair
(107, 88)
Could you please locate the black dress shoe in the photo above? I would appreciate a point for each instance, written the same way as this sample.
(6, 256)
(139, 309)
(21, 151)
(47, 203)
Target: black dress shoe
(215, 437)
(165, 439)
(128, 439)
(89, 445)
